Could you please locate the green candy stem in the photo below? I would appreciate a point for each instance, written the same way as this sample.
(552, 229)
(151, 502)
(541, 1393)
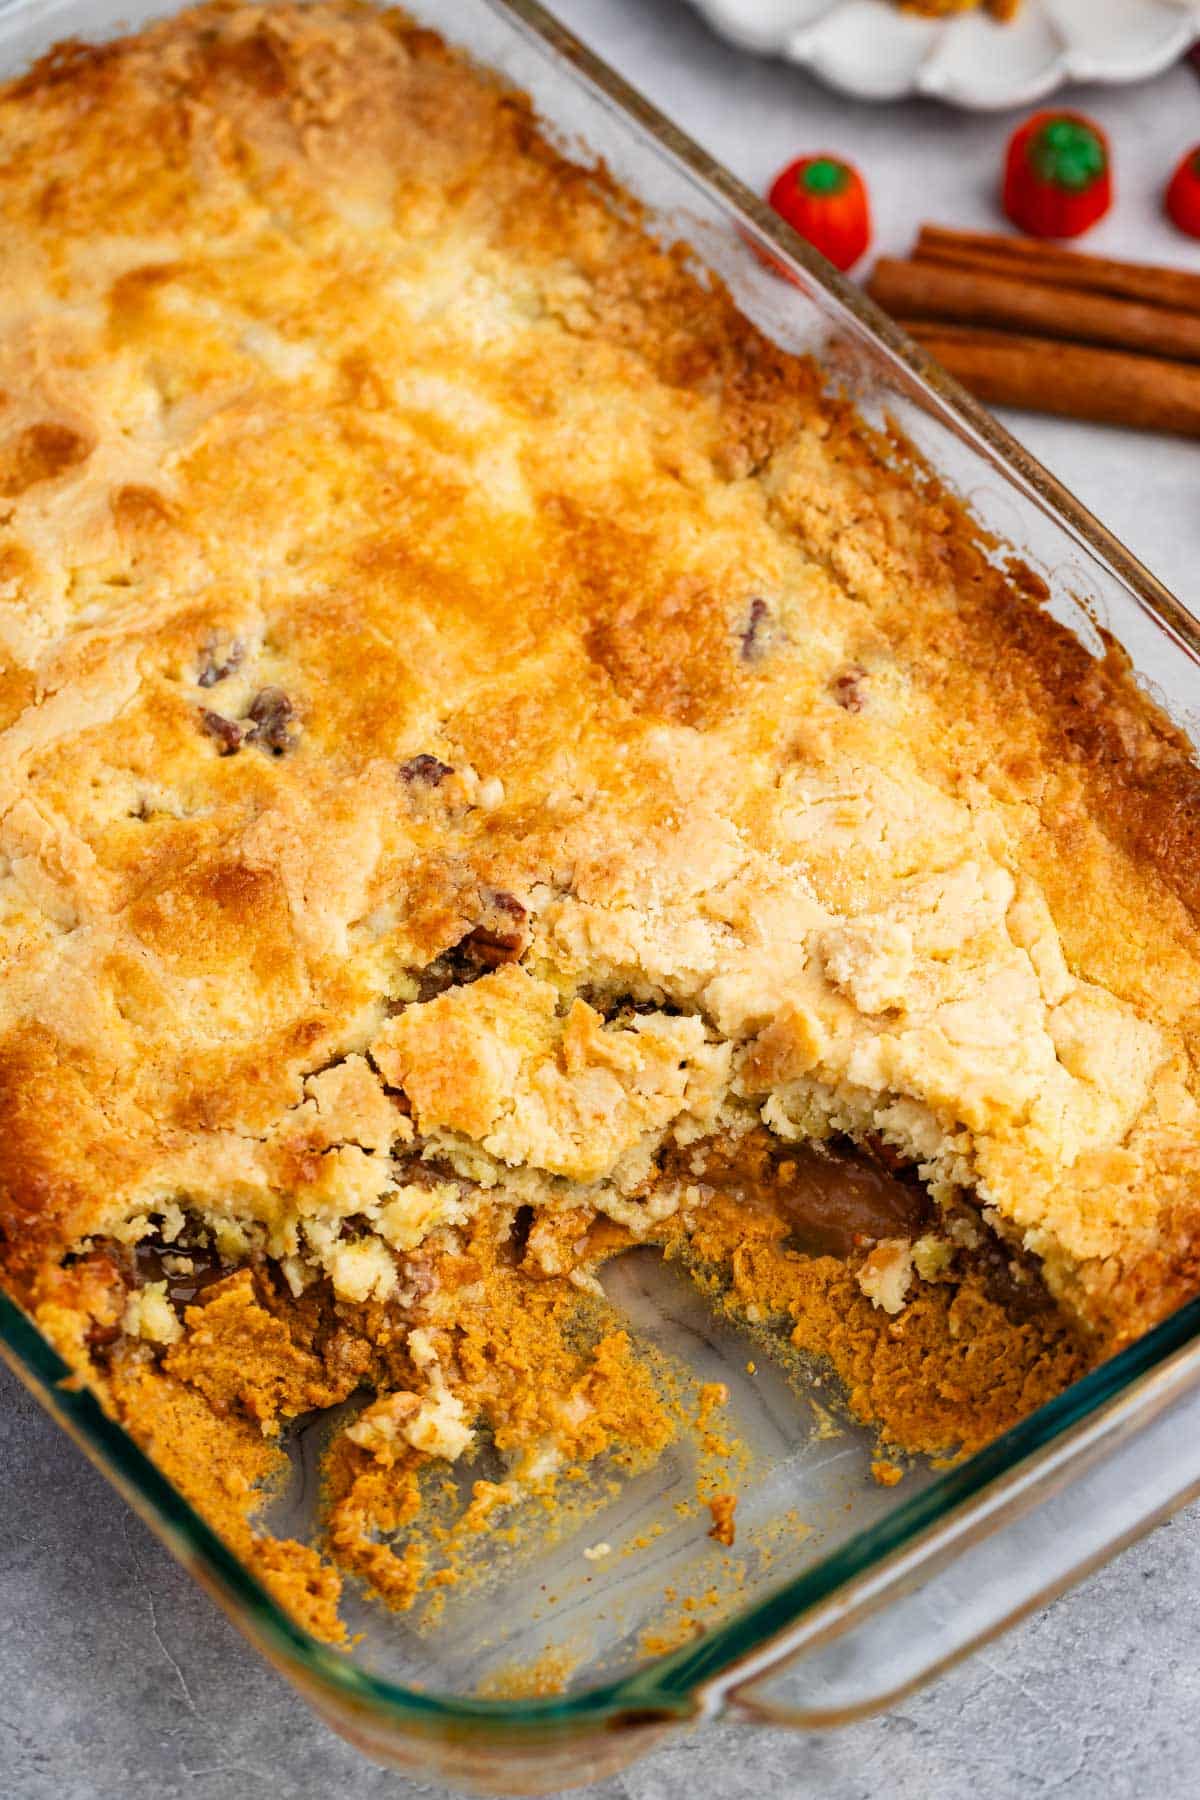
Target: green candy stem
(824, 176)
(1068, 154)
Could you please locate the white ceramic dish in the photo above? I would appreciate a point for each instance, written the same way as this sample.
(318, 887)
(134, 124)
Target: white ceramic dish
(870, 49)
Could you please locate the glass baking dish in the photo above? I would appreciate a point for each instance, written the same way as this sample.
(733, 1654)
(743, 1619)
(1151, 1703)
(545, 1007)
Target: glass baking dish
(870, 1590)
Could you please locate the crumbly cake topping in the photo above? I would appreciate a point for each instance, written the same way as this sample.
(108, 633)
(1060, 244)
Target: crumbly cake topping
(477, 720)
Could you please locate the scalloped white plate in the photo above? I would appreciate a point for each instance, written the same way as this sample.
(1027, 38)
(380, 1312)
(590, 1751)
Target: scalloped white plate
(870, 49)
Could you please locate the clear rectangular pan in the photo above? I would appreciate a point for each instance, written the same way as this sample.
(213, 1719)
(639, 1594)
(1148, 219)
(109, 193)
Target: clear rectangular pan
(845, 1594)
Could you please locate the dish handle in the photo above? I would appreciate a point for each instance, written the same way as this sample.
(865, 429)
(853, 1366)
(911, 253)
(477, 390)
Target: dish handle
(1044, 1530)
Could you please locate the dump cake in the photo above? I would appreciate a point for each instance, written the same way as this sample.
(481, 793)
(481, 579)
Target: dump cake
(502, 766)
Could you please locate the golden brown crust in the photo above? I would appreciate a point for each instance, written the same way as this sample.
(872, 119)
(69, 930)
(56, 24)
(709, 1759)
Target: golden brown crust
(476, 717)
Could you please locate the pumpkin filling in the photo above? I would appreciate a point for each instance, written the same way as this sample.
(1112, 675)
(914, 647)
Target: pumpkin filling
(503, 769)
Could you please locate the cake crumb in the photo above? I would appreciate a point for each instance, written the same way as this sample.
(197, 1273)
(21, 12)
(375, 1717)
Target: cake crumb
(722, 1507)
(712, 1395)
(827, 1425)
(886, 1474)
(887, 1273)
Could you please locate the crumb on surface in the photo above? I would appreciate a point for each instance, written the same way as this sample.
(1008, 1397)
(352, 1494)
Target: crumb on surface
(722, 1508)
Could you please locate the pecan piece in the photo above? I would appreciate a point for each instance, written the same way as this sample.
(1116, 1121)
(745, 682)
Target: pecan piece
(271, 714)
(418, 1274)
(847, 688)
(755, 633)
(102, 1335)
(502, 934)
(886, 1155)
(227, 732)
(428, 771)
(214, 670)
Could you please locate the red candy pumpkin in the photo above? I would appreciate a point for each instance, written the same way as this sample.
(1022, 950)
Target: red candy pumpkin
(1182, 198)
(1057, 175)
(825, 200)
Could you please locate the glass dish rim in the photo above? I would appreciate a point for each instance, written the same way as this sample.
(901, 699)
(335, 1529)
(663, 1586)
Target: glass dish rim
(675, 1684)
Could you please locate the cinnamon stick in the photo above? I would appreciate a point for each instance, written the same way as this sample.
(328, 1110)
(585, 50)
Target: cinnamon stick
(1077, 381)
(916, 290)
(1033, 259)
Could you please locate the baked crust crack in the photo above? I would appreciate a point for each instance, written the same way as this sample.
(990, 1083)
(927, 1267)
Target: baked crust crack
(498, 764)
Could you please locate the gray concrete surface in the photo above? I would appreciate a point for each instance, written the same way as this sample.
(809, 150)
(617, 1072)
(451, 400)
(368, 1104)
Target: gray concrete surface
(118, 1678)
